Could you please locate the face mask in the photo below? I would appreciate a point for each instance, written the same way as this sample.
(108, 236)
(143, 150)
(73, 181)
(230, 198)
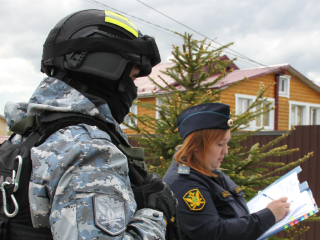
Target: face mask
(119, 94)
(122, 101)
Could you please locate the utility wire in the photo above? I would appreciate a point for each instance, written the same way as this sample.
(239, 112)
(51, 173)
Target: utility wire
(146, 22)
(244, 58)
(192, 29)
(239, 54)
(99, 3)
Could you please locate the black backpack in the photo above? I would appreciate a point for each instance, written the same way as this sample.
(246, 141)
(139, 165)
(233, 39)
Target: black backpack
(15, 169)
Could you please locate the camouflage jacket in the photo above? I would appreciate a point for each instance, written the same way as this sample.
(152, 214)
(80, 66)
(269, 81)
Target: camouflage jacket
(79, 183)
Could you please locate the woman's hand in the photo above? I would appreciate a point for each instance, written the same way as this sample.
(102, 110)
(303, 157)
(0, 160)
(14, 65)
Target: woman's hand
(279, 208)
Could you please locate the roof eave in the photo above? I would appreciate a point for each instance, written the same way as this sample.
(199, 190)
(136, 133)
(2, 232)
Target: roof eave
(304, 79)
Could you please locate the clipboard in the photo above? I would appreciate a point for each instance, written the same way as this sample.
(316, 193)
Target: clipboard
(299, 214)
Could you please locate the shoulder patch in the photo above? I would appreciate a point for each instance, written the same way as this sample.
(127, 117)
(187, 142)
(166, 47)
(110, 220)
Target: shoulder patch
(237, 189)
(194, 200)
(225, 194)
(183, 169)
(109, 213)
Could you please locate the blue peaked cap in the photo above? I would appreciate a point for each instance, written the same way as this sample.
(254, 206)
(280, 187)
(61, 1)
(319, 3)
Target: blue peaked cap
(204, 116)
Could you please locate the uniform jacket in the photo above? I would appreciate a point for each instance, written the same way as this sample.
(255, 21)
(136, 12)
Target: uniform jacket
(79, 184)
(214, 208)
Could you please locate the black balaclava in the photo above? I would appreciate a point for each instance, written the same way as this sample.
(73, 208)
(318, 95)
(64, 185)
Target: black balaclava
(119, 94)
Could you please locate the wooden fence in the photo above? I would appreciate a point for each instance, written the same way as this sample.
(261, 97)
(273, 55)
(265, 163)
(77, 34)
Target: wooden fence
(307, 139)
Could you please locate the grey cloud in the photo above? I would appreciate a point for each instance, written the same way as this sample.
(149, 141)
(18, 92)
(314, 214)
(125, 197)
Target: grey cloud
(270, 32)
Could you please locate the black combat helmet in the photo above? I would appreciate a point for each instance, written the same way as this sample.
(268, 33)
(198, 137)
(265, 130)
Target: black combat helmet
(94, 52)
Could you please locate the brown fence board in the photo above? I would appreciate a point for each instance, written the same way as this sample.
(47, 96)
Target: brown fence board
(307, 139)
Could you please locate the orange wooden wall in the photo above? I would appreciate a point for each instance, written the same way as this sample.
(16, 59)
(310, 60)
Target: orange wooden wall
(142, 110)
(3, 126)
(248, 87)
(299, 91)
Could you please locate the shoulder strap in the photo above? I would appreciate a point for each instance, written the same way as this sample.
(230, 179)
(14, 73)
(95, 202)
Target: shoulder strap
(25, 125)
(52, 122)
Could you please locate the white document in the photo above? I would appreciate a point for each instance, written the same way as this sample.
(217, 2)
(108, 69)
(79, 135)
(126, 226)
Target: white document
(288, 187)
(300, 202)
(301, 205)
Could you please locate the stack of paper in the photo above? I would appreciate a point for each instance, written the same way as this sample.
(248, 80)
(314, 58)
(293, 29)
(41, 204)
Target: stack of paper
(302, 204)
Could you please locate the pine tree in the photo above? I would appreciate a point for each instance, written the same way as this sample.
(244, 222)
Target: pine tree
(194, 63)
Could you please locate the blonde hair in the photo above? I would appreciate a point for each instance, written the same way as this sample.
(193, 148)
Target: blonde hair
(194, 148)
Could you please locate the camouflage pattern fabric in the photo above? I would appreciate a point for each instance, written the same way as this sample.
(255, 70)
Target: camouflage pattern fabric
(79, 185)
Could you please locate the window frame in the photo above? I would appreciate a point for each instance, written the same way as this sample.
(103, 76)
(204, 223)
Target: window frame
(133, 109)
(159, 102)
(252, 124)
(318, 115)
(307, 109)
(286, 80)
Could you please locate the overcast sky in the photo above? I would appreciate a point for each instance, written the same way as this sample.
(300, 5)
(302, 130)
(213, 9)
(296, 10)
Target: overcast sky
(269, 32)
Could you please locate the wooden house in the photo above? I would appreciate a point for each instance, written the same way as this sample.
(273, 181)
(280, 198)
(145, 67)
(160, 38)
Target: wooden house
(296, 98)
(3, 125)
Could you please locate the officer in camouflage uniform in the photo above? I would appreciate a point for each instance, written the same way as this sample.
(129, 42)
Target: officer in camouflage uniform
(79, 184)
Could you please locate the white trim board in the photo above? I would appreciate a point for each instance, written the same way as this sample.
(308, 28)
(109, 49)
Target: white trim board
(307, 106)
(252, 123)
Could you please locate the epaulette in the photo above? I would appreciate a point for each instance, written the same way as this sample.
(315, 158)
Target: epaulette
(183, 169)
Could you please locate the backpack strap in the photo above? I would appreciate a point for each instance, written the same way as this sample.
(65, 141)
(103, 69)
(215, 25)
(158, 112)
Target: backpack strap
(26, 125)
(51, 122)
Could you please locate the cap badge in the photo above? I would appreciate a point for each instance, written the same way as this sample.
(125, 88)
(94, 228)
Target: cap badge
(194, 200)
(230, 122)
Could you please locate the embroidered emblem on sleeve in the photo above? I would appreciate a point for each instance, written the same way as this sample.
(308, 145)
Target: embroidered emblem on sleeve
(194, 200)
(109, 213)
(237, 189)
(225, 194)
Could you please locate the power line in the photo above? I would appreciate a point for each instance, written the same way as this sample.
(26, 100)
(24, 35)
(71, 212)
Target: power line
(244, 58)
(239, 54)
(144, 22)
(99, 3)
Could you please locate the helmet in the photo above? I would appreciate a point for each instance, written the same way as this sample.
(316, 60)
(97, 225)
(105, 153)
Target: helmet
(94, 51)
(100, 43)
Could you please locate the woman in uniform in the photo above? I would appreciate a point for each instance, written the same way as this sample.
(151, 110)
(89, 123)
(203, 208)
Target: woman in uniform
(211, 205)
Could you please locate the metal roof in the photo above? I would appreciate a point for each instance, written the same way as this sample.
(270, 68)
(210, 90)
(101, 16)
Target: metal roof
(3, 138)
(146, 86)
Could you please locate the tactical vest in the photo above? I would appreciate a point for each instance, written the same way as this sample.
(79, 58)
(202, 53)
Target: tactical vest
(16, 166)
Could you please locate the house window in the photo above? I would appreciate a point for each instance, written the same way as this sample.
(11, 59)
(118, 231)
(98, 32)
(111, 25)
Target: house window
(304, 113)
(133, 109)
(314, 116)
(243, 105)
(159, 102)
(265, 120)
(284, 86)
(297, 115)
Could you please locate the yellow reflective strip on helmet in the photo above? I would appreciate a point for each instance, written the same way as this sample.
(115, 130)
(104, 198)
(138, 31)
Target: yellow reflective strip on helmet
(117, 15)
(122, 22)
